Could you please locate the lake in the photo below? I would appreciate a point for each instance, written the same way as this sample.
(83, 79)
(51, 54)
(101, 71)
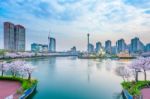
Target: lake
(73, 78)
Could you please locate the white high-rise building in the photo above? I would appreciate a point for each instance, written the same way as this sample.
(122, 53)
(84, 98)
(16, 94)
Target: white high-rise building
(52, 44)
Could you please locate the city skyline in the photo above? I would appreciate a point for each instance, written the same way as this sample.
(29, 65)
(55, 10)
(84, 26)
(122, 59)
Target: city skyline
(103, 19)
(14, 40)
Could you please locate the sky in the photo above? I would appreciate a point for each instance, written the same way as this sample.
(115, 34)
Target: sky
(69, 21)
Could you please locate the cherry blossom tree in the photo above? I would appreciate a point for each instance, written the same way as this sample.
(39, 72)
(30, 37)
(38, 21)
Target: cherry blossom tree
(29, 70)
(15, 67)
(140, 64)
(135, 65)
(3, 67)
(124, 72)
(144, 65)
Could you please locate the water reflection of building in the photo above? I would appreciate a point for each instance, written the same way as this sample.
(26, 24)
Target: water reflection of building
(52, 63)
(89, 65)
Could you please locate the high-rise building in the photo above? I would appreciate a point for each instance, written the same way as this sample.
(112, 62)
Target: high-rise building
(52, 44)
(121, 46)
(98, 46)
(108, 46)
(39, 47)
(19, 38)
(147, 47)
(35, 47)
(91, 48)
(45, 48)
(73, 49)
(114, 50)
(9, 36)
(136, 45)
(14, 37)
(128, 48)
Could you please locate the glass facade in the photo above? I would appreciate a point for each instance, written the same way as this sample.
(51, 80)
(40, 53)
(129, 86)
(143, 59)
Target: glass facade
(52, 44)
(121, 46)
(136, 45)
(98, 46)
(9, 34)
(20, 38)
(147, 47)
(91, 48)
(14, 37)
(39, 47)
(108, 46)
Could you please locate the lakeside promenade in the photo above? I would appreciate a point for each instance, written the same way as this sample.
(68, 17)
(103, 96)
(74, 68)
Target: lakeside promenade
(8, 89)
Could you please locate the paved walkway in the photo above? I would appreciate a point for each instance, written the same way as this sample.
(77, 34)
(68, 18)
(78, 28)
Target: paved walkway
(146, 93)
(8, 88)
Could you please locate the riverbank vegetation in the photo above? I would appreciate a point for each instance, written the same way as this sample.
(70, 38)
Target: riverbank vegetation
(18, 71)
(134, 86)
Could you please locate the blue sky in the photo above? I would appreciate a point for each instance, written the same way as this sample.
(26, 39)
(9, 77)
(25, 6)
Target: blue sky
(70, 20)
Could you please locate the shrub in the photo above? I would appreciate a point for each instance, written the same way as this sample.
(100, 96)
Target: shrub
(25, 83)
(134, 87)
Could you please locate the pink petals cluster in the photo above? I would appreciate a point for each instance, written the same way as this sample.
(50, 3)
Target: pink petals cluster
(17, 68)
(19, 55)
(140, 64)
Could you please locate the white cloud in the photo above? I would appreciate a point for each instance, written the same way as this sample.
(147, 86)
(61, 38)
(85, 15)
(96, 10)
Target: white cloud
(104, 19)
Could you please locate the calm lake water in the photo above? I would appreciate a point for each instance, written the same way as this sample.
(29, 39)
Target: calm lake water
(73, 78)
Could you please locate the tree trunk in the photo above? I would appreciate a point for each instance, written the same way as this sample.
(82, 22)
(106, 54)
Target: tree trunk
(136, 77)
(2, 73)
(124, 79)
(13, 74)
(145, 76)
(29, 77)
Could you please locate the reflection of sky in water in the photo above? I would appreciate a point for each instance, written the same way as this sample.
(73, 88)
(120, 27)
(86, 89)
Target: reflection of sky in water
(73, 78)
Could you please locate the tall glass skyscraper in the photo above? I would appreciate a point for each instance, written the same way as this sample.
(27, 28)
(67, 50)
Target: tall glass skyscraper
(136, 45)
(98, 46)
(91, 48)
(108, 46)
(121, 46)
(19, 38)
(9, 36)
(14, 37)
(52, 44)
(147, 48)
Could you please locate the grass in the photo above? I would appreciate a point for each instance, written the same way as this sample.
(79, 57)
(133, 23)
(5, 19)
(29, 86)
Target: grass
(134, 88)
(25, 83)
